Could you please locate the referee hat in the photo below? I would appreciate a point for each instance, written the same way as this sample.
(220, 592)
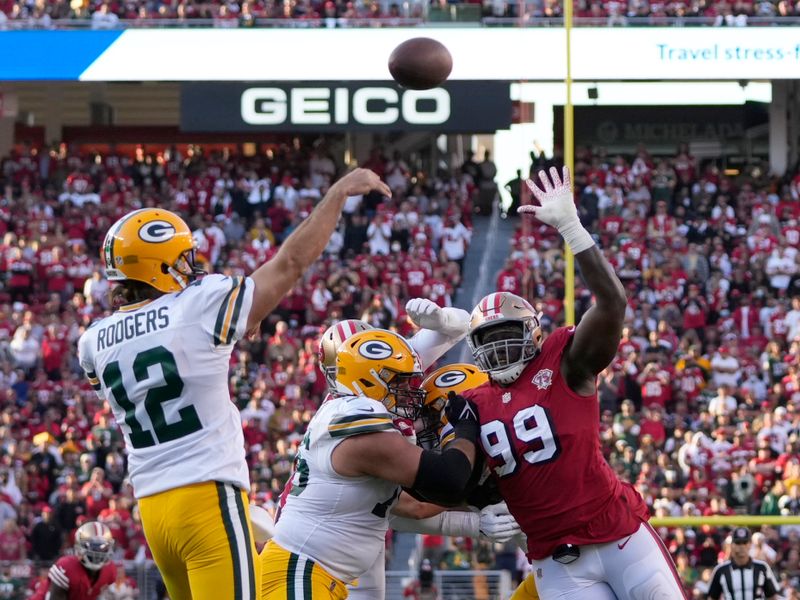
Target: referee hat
(741, 535)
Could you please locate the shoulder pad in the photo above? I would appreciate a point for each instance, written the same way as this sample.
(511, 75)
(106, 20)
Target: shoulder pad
(356, 415)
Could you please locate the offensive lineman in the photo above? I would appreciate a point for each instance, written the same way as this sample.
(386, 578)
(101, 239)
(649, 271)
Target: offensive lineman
(333, 514)
(161, 361)
(440, 330)
(588, 535)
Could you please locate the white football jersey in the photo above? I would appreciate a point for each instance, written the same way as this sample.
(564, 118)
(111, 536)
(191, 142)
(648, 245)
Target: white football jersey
(336, 521)
(163, 367)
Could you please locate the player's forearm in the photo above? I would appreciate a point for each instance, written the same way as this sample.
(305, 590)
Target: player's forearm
(308, 240)
(431, 345)
(604, 284)
(454, 523)
(410, 508)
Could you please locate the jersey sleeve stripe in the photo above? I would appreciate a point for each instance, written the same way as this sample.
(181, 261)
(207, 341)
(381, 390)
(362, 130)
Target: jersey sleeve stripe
(229, 309)
(357, 420)
(358, 417)
(58, 577)
(226, 325)
(359, 429)
(94, 381)
(223, 309)
(237, 308)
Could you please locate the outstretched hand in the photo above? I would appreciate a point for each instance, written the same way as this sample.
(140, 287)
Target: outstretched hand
(556, 202)
(362, 181)
(557, 208)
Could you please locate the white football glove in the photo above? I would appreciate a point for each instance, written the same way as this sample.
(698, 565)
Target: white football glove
(426, 314)
(263, 526)
(497, 524)
(558, 209)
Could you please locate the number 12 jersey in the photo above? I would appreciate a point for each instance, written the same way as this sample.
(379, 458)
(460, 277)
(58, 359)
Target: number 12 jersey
(162, 365)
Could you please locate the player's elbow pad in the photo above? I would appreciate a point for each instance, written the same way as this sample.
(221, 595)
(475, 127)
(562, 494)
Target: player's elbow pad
(442, 477)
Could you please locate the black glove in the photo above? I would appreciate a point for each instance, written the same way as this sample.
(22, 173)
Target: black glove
(463, 416)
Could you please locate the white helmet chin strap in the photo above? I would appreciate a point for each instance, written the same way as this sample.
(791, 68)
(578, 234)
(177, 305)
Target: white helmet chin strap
(181, 281)
(509, 374)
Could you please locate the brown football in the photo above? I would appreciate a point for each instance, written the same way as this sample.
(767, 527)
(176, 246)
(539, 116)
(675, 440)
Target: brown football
(420, 63)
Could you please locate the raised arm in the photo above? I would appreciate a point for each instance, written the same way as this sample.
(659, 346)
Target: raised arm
(274, 279)
(440, 329)
(597, 336)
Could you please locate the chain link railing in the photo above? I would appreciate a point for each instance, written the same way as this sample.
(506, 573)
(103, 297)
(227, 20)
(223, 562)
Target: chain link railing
(455, 585)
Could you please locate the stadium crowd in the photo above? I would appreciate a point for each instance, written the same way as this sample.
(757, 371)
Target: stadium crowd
(112, 14)
(61, 455)
(700, 410)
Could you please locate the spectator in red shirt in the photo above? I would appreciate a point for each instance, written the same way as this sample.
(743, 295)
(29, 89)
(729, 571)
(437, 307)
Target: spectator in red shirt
(653, 425)
(97, 492)
(509, 279)
(13, 545)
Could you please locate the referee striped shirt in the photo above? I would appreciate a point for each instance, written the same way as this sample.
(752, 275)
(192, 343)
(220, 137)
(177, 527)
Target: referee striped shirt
(750, 581)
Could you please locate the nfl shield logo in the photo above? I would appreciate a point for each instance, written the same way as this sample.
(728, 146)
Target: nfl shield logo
(543, 379)
(506, 397)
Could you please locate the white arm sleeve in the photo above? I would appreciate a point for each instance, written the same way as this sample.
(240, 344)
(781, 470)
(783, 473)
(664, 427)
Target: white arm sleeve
(431, 345)
(456, 523)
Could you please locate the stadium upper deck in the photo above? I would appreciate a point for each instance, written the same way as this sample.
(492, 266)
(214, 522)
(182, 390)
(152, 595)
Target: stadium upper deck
(119, 14)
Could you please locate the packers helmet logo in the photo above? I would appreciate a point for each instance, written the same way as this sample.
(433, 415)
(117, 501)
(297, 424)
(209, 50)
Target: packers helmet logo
(156, 232)
(450, 379)
(375, 350)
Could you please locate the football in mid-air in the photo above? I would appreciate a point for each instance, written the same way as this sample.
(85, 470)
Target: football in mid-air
(420, 63)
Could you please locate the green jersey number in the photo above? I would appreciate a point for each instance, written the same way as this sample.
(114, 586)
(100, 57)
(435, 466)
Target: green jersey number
(188, 423)
(300, 476)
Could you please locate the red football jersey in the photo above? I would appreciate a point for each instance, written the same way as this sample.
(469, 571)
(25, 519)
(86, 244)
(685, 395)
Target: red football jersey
(541, 442)
(68, 573)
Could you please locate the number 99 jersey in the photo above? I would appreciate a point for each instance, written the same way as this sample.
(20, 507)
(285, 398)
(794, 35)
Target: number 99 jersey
(162, 365)
(541, 442)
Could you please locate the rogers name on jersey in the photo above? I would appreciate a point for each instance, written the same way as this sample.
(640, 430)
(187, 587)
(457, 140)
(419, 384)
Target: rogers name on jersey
(132, 326)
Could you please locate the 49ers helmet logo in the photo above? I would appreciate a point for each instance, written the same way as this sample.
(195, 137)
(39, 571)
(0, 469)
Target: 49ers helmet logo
(156, 232)
(449, 379)
(375, 350)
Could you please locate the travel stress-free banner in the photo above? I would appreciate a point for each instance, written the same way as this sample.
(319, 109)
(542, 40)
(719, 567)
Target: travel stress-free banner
(458, 106)
(361, 54)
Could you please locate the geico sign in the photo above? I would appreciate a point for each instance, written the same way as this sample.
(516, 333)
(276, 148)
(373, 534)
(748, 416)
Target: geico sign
(323, 106)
